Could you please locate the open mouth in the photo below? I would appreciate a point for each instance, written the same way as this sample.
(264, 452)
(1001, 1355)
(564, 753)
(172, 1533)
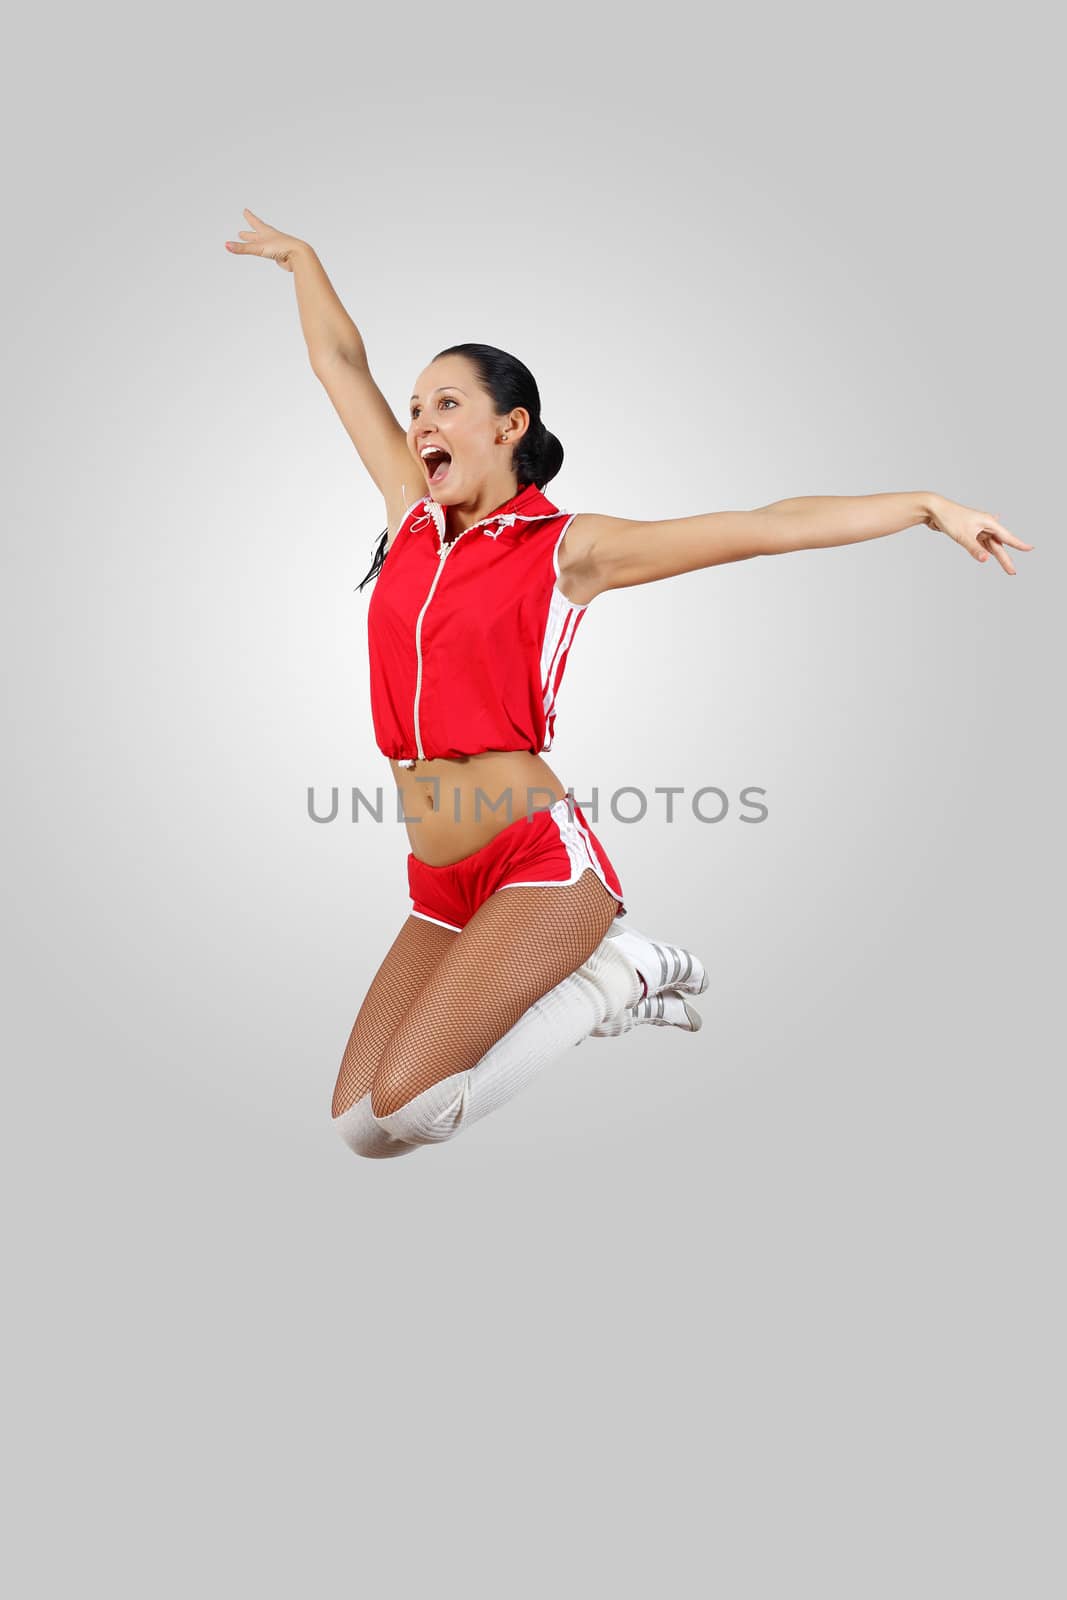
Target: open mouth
(437, 463)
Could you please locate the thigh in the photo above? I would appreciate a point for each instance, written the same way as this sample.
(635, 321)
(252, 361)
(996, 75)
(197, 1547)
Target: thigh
(520, 943)
(411, 958)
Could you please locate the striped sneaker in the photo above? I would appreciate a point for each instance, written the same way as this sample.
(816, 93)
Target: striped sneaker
(665, 1010)
(668, 1009)
(661, 966)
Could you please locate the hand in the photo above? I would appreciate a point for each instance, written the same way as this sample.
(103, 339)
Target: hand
(263, 240)
(980, 533)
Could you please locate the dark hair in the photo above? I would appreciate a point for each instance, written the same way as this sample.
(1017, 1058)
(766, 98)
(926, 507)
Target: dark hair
(538, 456)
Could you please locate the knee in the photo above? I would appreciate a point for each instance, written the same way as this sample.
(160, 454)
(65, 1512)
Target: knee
(363, 1135)
(354, 1078)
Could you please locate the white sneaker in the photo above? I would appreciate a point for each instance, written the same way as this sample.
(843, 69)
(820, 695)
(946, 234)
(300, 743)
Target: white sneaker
(662, 966)
(666, 1010)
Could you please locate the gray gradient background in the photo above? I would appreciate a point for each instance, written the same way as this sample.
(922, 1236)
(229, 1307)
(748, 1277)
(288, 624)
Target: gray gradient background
(766, 1312)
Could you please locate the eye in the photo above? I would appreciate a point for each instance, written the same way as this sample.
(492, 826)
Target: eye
(445, 400)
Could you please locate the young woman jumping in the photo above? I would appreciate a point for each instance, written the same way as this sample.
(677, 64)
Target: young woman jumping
(514, 950)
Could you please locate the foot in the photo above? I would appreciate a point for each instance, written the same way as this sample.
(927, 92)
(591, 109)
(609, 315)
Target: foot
(666, 1010)
(661, 966)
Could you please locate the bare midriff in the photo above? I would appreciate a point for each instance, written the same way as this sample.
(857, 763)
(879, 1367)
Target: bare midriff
(453, 808)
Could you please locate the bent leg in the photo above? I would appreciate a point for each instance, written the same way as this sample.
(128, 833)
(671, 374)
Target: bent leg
(530, 975)
(411, 958)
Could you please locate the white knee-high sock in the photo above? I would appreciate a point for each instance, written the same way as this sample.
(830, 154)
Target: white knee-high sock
(622, 1022)
(601, 987)
(359, 1129)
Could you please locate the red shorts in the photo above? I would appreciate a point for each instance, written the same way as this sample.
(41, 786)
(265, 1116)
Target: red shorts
(551, 847)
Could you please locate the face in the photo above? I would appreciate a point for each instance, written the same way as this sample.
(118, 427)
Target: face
(449, 409)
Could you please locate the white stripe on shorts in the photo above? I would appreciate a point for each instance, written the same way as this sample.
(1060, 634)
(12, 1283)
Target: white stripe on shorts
(580, 853)
(451, 926)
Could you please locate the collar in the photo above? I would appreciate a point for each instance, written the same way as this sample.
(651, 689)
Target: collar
(528, 505)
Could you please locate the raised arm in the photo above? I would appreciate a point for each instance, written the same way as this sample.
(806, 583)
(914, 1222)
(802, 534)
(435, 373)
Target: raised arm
(616, 553)
(339, 360)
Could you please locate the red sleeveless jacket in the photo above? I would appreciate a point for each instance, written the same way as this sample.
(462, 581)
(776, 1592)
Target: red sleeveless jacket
(468, 641)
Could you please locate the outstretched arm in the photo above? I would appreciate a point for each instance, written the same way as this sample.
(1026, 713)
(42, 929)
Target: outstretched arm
(816, 522)
(615, 553)
(339, 361)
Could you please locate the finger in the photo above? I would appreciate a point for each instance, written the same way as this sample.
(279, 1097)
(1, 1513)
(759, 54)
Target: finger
(1002, 556)
(1000, 532)
(257, 220)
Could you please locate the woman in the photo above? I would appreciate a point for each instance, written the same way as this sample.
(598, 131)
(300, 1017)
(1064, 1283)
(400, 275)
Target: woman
(514, 949)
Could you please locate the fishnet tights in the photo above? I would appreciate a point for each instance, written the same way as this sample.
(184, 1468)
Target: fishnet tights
(440, 999)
